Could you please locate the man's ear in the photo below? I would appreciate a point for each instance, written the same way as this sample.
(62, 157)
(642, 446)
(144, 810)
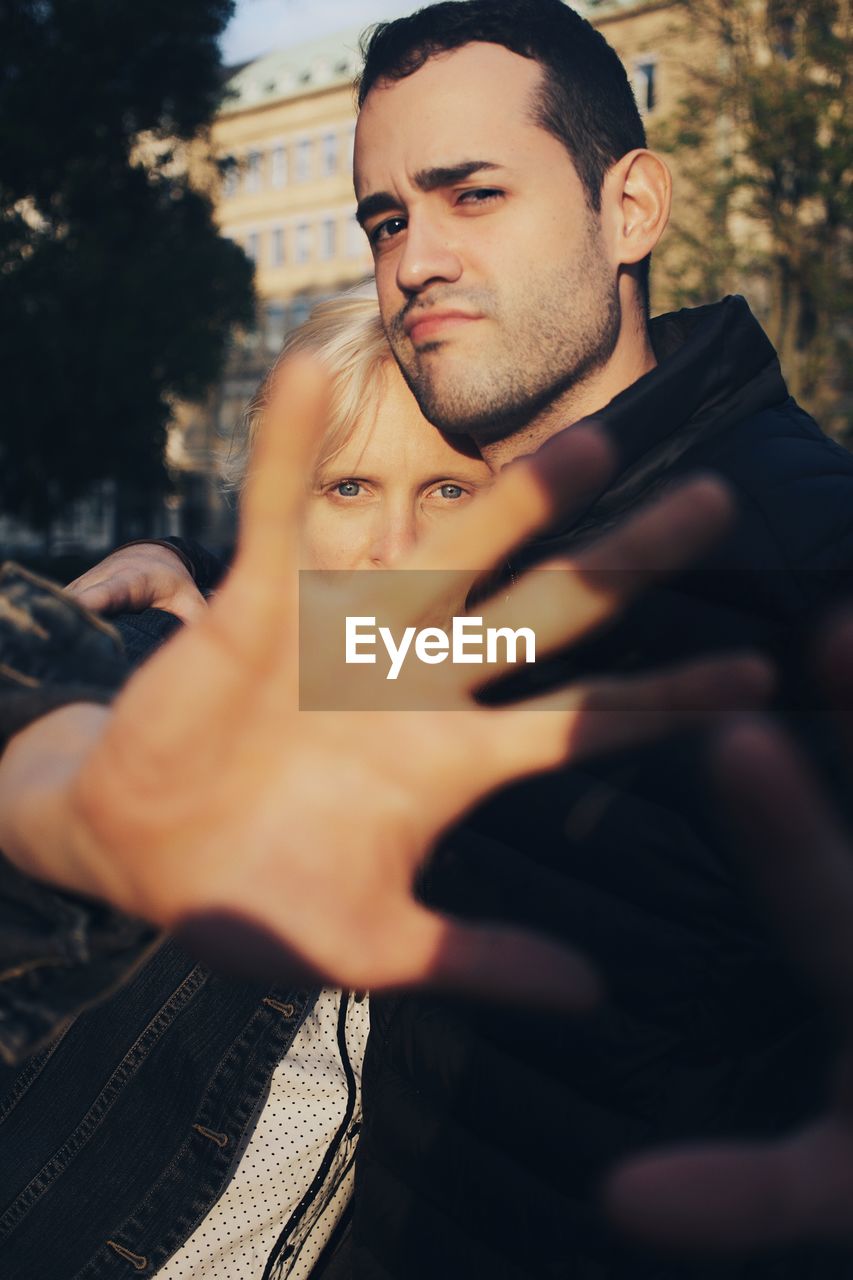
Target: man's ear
(636, 199)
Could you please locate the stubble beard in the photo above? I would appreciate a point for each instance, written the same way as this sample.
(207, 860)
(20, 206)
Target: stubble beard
(544, 346)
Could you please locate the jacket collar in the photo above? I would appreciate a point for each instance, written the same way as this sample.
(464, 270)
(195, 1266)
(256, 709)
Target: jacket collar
(715, 366)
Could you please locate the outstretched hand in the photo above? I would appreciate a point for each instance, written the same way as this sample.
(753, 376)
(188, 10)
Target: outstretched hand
(280, 841)
(741, 1196)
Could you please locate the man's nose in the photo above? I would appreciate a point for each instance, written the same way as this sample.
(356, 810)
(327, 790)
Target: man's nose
(427, 256)
(395, 535)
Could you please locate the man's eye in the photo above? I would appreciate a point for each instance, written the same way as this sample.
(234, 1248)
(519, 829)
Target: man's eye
(451, 491)
(347, 488)
(479, 195)
(387, 230)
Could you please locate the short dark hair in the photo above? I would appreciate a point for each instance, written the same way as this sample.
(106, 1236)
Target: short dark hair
(585, 101)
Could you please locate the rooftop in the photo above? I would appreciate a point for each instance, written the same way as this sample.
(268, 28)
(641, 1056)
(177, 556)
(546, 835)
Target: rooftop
(328, 62)
(290, 73)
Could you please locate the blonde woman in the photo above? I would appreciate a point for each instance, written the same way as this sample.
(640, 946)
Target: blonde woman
(381, 478)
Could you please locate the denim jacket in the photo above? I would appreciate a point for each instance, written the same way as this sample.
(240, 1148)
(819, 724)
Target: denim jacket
(130, 1076)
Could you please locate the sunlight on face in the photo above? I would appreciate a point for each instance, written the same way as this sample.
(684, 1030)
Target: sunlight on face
(494, 284)
(393, 479)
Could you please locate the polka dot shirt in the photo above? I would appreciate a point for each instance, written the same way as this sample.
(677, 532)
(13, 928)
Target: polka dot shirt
(294, 1132)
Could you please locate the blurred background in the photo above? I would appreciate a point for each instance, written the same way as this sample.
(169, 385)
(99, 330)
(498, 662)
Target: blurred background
(175, 195)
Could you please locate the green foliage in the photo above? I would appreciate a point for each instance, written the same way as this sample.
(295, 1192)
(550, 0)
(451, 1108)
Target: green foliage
(117, 294)
(764, 143)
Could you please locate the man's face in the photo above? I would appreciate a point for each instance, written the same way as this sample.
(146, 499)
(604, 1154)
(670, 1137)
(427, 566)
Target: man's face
(494, 285)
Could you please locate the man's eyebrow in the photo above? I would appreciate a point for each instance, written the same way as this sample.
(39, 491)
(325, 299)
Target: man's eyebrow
(425, 180)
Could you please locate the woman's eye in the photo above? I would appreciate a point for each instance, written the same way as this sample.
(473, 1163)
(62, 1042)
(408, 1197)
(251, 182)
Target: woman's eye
(449, 492)
(347, 488)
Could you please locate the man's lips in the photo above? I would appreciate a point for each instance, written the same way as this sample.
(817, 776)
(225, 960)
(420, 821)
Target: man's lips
(426, 325)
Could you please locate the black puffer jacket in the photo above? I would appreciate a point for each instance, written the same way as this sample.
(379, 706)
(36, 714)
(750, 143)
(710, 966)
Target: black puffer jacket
(488, 1130)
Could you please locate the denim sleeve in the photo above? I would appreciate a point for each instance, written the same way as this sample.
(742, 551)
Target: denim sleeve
(58, 951)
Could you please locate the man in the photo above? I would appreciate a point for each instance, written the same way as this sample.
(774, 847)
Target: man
(504, 184)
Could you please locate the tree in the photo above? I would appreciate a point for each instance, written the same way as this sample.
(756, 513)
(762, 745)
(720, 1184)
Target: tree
(116, 292)
(764, 143)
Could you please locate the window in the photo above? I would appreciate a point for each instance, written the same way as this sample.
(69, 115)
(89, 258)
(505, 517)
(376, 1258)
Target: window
(303, 242)
(253, 245)
(330, 154)
(299, 312)
(278, 167)
(253, 171)
(328, 239)
(645, 84)
(356, 242)
(275, 324)
(303, 160)
(277, 247)
(230, 177)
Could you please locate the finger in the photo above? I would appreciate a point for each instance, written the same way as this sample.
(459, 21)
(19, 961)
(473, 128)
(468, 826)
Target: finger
(561, 478)
(491, 961)
(796, 853)
(276, 486)
(109, 596)
(666, 534)
(708, 1199)
(412, 947)
(606, 715)
(562, 601)
(725, 1197)
(564, 476)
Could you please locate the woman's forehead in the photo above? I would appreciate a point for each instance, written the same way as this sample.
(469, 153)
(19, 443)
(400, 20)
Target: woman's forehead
(396, 439)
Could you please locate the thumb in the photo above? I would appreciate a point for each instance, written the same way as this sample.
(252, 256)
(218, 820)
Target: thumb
(185, 602)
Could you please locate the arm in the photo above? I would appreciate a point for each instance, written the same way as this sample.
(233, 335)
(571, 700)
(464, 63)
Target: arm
(58, 951)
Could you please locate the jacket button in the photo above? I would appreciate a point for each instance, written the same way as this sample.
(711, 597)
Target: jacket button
(135, 1259)
(286, 1010)
(221, 1139)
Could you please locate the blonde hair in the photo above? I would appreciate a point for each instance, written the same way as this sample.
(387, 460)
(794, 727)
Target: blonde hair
(346, 334)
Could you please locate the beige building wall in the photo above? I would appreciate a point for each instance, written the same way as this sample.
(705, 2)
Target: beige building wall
(288, 200)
